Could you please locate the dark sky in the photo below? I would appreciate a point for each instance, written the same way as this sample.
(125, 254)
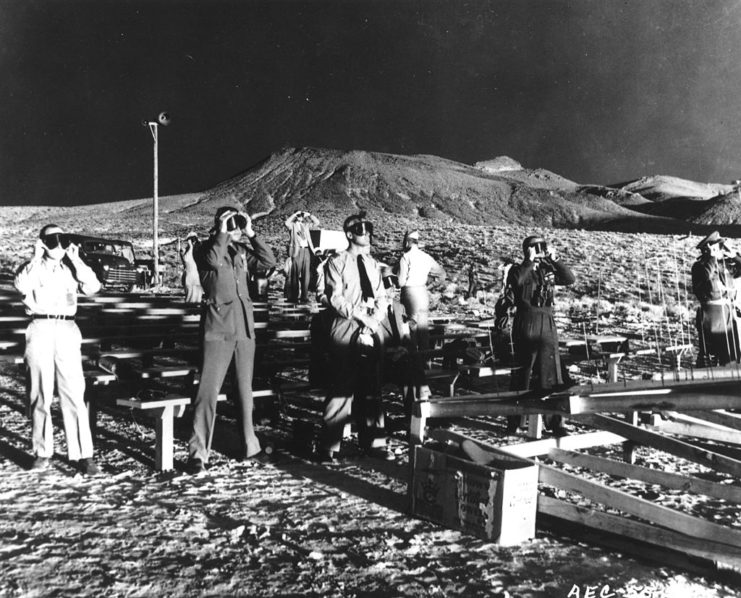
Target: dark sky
(597, 91)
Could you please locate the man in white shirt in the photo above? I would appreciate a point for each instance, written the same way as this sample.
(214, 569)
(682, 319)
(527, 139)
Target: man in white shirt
(300, 250)
(49, 283)
(415, 266)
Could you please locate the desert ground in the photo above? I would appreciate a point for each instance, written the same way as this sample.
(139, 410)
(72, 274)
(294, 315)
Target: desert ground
(286, 526)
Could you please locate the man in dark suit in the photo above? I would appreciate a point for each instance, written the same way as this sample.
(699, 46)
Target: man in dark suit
(530, 288)
(228, 327)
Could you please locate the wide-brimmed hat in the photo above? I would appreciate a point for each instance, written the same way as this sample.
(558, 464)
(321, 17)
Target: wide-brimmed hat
(711, 239)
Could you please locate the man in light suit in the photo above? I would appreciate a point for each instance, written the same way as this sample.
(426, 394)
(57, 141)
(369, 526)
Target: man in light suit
(357, 336)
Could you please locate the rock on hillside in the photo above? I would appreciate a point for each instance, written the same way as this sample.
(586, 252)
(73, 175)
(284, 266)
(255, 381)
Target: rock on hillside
(662, 188)
(721, 210)
(498, 164)
(420, 185)
(673, 197)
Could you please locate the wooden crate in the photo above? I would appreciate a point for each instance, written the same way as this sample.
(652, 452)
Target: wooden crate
(496, 502)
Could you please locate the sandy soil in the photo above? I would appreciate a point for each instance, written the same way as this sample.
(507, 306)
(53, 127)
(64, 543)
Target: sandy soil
(289, 527)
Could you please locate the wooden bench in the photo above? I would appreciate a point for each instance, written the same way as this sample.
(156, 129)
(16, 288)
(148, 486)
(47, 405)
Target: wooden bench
(164, 411)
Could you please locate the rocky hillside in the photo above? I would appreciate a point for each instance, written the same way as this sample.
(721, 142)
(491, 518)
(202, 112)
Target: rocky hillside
(498, 191)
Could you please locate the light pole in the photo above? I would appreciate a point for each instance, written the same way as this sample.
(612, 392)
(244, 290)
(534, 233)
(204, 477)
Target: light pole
(164, 120)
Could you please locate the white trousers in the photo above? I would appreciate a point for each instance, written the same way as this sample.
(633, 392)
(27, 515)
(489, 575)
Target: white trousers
(53, 358)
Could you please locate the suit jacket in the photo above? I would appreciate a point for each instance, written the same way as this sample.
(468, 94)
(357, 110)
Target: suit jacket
(225, 268)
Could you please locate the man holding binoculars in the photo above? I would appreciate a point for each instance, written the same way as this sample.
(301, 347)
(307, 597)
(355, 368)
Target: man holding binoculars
(49, 284)
(300, 252)
(529, 288)
(713, 284)
(228, 327)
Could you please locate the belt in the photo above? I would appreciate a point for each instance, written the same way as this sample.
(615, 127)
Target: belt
(51, 317)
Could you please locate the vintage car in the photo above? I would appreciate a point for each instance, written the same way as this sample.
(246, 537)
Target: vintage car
(113, 262)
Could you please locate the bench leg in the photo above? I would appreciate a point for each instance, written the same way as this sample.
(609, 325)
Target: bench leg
(535, 426)
(418, 423)
(165, 438)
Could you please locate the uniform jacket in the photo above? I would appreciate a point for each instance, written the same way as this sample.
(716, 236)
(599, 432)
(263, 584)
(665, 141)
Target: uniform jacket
(531, 289)
(225, 268)
(712, 281)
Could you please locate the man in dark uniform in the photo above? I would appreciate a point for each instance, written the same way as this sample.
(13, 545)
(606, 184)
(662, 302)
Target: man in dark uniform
(228, 327)
(530, 288)
(712, 284)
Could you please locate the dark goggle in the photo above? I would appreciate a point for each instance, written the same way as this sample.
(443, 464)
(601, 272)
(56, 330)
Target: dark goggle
(235, 222)
(55, 240)
(361, 228)
(540, 246)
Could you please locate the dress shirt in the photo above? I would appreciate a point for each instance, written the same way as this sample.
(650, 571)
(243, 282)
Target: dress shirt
(343, 287)
(415, 266)
(50, 287)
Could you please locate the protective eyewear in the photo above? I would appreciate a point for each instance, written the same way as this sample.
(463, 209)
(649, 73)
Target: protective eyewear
(361, 228)
(235, 222)
(54, 240)
(540, 247)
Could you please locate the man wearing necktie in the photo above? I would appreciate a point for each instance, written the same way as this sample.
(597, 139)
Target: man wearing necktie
(712, 283)
(357, 298)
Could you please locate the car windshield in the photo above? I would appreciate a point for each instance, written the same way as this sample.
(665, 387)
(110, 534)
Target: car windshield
(109, 248)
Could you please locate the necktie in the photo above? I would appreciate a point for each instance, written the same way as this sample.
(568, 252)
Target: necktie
(365, 284)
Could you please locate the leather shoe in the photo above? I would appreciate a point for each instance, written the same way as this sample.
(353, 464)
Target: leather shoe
(88, 467)
(40, 463)
(513, 424)
(326, 456)
(381, 452)
(196, 466)
(560, 432)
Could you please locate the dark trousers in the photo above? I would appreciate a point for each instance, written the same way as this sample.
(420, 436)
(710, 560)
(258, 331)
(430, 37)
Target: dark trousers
(300, 275)
(719, 341)
(536, 353)
(217, 355)
(356, 390)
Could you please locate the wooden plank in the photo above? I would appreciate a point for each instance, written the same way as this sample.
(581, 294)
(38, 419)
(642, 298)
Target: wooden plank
(652, 395)
(644, 474)
(676, 424)
(617, 499)
(670, 518)
(719, 556)
(658, 441)
(536, 448)
(720, 417)
(155, 404)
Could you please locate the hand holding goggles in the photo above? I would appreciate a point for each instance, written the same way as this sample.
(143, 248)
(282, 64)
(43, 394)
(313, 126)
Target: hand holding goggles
(361, 228)
(236, 221)
(540, 247)
(54, 240)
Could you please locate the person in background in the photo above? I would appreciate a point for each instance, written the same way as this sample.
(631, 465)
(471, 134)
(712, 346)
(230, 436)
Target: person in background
(300, 251)
(415, 266)
(530, 287)
(320, 366)
(357, 335)
(473, 281)
(49, 283)
(713, 284)
(191, 279)
(228, 327)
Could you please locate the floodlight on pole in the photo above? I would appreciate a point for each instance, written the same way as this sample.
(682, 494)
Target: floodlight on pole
(163, 119)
